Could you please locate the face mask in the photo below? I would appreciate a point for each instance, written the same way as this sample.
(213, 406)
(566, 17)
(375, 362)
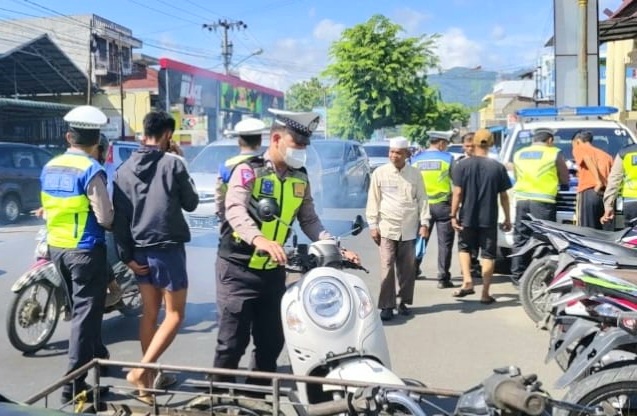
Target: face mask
(295, 158)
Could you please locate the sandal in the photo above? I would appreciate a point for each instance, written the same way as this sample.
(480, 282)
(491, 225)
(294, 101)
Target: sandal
(487, 301)
(461, 293)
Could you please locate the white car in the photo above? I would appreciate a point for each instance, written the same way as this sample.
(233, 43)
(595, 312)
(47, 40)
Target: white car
(377, 153)
(608, 135)
(204, 171)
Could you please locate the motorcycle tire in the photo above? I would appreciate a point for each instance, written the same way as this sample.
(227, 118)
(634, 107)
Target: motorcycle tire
(14, 309)
(536, 277)
(131, 303)
(606, 388)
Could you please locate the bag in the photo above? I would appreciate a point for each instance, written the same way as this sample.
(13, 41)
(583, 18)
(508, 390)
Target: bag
(421, 246)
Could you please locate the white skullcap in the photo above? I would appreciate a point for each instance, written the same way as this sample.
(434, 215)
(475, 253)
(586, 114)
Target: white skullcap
(86, 117)
(398, 143)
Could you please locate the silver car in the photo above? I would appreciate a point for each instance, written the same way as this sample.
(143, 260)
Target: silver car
(204, 170)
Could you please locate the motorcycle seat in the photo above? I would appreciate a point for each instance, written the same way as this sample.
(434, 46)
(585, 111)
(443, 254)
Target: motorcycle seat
(604, 247)
(585, 231)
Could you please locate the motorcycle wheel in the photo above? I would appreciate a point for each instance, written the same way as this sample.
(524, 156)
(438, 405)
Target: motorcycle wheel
(535, 301)
(615, 390)
(26, 313)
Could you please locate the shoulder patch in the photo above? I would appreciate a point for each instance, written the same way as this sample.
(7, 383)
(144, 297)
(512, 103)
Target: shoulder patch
(247, 176)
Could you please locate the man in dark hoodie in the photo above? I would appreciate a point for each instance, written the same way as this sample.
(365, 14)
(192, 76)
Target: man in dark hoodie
(150, 190)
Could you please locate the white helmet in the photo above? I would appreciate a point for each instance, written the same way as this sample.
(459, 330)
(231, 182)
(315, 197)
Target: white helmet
(86, 117)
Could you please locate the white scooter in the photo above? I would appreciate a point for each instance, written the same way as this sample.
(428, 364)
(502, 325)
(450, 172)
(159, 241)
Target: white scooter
(330, 323)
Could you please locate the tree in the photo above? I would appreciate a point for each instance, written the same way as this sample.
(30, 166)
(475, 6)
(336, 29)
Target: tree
(441, 117)
(379, 77)
(306, 95)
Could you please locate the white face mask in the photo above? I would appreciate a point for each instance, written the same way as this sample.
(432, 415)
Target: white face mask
(295, 158)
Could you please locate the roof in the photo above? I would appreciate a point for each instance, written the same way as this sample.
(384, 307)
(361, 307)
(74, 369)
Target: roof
(618, 28)
(39, 67)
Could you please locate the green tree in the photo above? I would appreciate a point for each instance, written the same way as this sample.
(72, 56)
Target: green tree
(306, 95)
(440, 117)
(379, 78)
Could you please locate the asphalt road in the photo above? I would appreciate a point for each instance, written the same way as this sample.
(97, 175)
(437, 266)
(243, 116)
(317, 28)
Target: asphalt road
(447, 343)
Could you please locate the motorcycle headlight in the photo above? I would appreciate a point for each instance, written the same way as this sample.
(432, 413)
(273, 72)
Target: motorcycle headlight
(293, 318)
(366, 307)
(327, 302)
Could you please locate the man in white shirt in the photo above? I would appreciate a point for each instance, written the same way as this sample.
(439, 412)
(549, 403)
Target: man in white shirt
(397, 207)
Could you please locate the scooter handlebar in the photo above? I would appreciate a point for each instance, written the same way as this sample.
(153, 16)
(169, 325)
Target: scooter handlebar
(509, 393)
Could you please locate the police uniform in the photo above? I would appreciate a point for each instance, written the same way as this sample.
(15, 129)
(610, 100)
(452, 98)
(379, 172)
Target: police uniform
(435, 167)
(249, 129)
(623, 181)
(536, 186)
(249, 284)
(77, 206)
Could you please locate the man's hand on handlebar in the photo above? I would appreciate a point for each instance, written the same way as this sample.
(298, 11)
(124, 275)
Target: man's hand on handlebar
(351, 256)
(272, 248)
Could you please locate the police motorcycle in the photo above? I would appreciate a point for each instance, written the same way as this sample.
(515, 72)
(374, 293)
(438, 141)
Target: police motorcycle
(41, 297)
(549, 239)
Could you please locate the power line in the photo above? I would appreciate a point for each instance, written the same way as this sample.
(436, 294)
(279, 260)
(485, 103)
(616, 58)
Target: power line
(226, 45)
(161, 12)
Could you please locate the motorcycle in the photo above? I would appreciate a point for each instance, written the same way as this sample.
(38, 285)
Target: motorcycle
(548, 242)
(330, 323)
(600, 338)
(41, 297)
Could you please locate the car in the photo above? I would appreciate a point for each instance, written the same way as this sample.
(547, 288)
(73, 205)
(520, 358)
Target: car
(204, 170)
(377, 152)
(457, 151)
(20, 169)
(608, 135)
(118, 152)
(190, 152)
(346, 170)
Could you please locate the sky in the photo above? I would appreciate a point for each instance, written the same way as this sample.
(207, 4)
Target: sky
(295, 35)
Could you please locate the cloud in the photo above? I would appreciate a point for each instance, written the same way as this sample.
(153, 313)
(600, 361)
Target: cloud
(410, 19)
(498, 32)
(455, 49)
(328, 30)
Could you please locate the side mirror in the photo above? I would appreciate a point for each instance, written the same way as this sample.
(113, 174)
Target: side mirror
(268, 209)
(358, 225)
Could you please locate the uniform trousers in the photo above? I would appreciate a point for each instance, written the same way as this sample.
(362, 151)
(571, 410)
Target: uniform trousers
(85, 274)
(397, 262)
(522, 233)
(248, 302)
(441, 218)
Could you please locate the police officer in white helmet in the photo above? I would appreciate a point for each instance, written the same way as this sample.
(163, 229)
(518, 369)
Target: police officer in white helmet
(78, 210)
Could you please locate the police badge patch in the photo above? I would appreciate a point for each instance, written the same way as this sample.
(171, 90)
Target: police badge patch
(267, 187)
(298, 189)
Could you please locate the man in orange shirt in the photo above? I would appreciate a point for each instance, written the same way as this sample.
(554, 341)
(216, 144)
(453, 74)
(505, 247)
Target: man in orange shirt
(594, 167)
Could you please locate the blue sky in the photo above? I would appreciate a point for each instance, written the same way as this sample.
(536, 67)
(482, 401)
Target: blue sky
(295, 35)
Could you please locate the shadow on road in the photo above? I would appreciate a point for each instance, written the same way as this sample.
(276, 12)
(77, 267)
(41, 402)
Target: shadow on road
(2, 272)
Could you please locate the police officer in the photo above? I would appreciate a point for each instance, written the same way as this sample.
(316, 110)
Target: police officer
(78, 208)
(249, 132)
(540, 169)
(622, 178)
(250, 276)
(435, 165)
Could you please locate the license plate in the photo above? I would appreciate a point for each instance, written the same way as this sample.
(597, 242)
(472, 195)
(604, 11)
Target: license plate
(203, 222)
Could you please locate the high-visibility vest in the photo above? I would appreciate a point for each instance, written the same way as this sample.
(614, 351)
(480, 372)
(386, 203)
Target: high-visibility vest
(435, 167)
(70, 221)
(536, 173)
(288, 193)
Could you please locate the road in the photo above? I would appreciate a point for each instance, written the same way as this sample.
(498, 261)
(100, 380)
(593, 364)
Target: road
(448, 343)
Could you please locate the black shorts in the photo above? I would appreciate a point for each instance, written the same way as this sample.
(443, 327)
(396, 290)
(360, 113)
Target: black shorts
(470, 239)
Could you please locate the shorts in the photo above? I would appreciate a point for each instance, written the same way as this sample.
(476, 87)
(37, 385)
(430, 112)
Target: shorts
(470, 239)
(167, 266)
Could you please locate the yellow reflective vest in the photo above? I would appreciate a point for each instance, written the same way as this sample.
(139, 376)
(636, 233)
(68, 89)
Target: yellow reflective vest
(536, 177)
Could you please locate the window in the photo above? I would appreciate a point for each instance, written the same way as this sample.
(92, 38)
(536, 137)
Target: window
(24, 159)
(43, 158)
(5, 159)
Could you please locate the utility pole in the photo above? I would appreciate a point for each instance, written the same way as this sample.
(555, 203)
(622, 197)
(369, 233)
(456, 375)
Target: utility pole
(91, 54)
(226, 45)
(121, 88)
(583, 51)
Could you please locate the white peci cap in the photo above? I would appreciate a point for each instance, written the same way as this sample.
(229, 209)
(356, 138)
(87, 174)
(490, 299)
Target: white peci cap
(398, 143)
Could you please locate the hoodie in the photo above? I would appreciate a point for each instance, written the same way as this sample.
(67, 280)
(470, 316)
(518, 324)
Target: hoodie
(150, 189)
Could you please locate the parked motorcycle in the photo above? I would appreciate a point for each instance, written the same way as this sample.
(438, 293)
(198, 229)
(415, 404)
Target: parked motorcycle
(42, 297)
(548, 241)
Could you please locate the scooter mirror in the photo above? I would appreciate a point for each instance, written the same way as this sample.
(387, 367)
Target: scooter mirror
(268, 209)
(357, 225)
